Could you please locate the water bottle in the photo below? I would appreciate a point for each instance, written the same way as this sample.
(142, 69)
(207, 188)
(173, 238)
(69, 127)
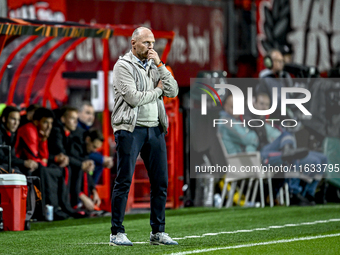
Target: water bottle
(217, 200)
(49, 212)
(1, 220)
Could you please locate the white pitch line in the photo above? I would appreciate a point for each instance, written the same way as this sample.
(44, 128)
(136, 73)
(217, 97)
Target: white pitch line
(259, 229)
(244, 230)
(256, 244)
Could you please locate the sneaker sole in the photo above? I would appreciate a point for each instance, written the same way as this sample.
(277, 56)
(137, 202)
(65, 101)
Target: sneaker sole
(158, 243)
(113, 244)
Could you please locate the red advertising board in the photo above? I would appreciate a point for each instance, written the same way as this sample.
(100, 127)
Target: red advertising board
(198, 45)
(47, 10)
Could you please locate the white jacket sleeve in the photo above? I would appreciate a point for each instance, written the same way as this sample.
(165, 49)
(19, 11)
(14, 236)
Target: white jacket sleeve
(125, 84)
(169, 83)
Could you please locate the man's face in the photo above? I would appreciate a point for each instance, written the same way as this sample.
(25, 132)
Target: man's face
(93, 146)
(142, 44)
(45, 126)
(278, 61)
(262, 102)
(86, 115)
(70, 120)
(13, 121)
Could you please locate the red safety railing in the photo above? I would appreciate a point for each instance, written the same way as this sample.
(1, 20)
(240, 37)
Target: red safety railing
(53, 72)
(22, 66)
(14, 52)
(8, 32)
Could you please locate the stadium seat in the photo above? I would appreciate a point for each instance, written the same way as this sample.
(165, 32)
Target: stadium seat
(245, 159)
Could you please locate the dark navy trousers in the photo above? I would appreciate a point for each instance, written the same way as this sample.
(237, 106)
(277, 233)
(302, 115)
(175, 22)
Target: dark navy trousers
(150, 143)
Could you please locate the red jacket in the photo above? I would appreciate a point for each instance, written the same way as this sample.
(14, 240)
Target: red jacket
(30, 146)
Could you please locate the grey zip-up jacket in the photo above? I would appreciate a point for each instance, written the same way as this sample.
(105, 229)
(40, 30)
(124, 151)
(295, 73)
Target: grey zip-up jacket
(130, 80)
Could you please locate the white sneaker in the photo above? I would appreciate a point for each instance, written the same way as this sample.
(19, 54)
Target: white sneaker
(161, 238)
(119, 239)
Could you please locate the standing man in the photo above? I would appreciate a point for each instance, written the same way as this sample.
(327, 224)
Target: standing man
(139, 122)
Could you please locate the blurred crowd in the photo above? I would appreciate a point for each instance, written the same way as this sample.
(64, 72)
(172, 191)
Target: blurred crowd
(62, 149)
(277, 144)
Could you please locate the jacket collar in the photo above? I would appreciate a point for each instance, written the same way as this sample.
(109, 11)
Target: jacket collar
(83, 125)
(131, 58)
(5, 131)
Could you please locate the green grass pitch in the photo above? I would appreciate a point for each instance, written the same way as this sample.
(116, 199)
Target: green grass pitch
(278, 230)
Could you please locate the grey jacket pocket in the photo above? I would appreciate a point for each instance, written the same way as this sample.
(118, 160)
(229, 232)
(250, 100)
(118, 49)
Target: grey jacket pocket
(122, 113)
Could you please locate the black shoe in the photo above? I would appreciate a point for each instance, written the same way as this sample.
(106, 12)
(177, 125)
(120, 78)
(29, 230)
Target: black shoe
(60, 215)
(311, 199)
(290, 154)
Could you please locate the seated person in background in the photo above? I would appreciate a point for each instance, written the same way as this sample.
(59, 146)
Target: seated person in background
(238, 138)
(29, 114)
(274, 77)
(93, 141)
(267, 134)
(63, 140)
(32, 137)
(10, 120)
(32, 144)
(86, 117)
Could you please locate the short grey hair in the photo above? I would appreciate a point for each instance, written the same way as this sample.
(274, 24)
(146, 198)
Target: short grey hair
(83, 104)
(137, 32)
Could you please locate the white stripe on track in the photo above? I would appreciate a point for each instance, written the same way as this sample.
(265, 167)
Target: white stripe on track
(256, 244)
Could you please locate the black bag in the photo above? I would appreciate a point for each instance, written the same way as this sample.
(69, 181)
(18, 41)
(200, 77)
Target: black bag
(34, 200)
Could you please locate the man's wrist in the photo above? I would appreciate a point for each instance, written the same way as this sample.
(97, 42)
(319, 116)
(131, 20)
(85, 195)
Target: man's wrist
(160, 91)
(160, 63)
